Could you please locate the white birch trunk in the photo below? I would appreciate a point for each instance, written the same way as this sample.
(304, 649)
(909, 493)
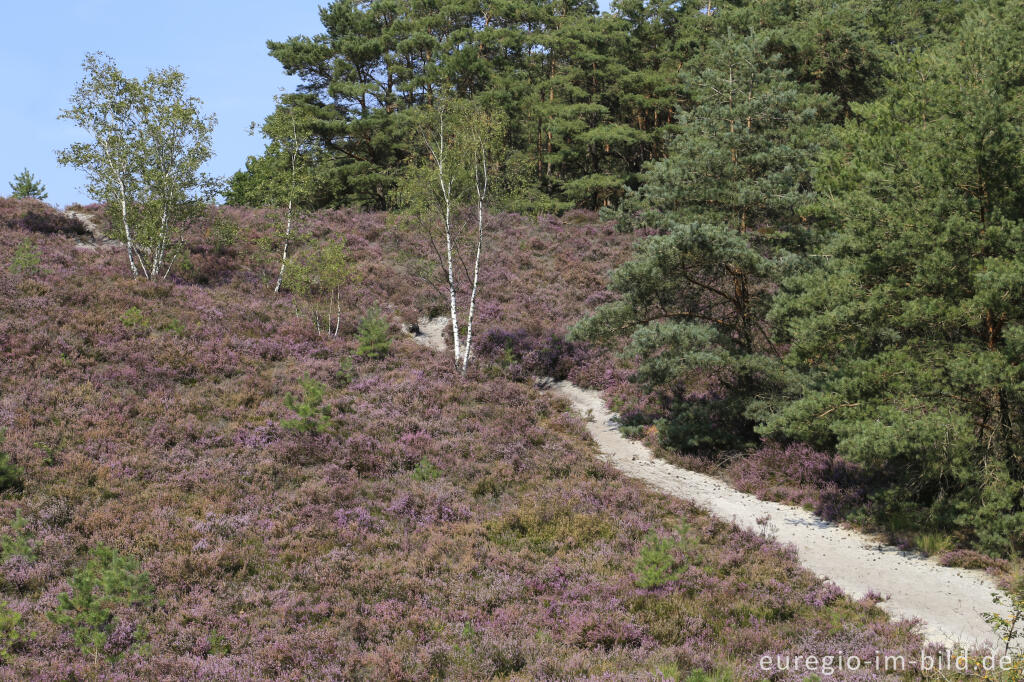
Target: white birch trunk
(128, 232)
(451, 281)
(294, 157)
(446, 193)
(480, 174)
(284, 254)
(337, 297)
(158, 252)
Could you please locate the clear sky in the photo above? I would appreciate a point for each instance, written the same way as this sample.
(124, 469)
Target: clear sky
(219, 45)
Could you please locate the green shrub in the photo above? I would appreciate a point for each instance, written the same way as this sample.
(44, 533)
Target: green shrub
(222, 233)
(219, 645)
(11, 475)
(107, 580)
(374, 341)
(26, 259)
(133, 318)
(346, 373)
(18, 542)
(313, 416)
(425, 471)
(174, 326)
(9, 632)
(656, 565)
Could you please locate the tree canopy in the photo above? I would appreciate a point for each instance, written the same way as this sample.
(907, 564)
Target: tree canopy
(27, 186)
(589, 97)
(909, 334)
(147, 144)
(836, 257)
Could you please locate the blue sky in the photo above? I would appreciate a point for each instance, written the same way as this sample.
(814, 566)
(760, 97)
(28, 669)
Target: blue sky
(220, 46)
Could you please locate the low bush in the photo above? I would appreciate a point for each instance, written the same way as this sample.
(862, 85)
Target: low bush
(374, 340)
(107, 581)
(313, 415)
(11, 475)
(25, 260)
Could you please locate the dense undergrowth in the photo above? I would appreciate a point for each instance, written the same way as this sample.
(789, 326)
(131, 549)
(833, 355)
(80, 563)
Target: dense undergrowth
(206, 489)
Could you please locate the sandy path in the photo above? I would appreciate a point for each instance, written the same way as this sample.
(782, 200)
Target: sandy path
(430, 333)
(948, 601)
(96, 239)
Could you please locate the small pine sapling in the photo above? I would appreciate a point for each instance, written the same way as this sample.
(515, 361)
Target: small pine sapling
(11, 475)
(26, 186)
(656, 565)
(18, 542)
(374, 341)
(107, 580)
(313, 415)
(25, 260)
(10, 633)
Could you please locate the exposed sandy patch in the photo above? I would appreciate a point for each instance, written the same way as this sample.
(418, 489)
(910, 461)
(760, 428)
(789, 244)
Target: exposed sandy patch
(95, 239)
(430, 332)
(949, 602)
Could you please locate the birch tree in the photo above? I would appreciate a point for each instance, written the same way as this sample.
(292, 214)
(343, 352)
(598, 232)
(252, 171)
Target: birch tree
(317, 277)
(446, 189)
(292, 151)
(148, 143)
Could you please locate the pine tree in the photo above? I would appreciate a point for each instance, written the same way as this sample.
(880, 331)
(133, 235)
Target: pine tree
(911, 332)
(374, 340)
(725, 199)
(26, 186)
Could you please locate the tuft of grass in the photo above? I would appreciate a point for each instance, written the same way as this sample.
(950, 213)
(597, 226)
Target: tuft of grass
(657, 565)
(425, 471)
(933, 543)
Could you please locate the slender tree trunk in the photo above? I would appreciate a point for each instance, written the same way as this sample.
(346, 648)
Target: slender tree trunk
(158, 252)
(128, 232)
(284, 253)
(473, 290)
(337, 301)
(294, 157)
(451, 273)
(446, 194)
(480, 173)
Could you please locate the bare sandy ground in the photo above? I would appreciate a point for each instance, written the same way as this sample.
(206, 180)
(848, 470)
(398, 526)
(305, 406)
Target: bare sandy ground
(430, 333)
(949, 602)
(95, 239)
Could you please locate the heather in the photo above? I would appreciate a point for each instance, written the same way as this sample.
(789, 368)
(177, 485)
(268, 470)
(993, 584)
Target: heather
(35, 216)
(208, 488)
(843, 271)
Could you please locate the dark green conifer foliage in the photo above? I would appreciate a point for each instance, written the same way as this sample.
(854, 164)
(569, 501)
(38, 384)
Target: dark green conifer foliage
(312, 415)
(374, 340)
(724, 201)
(27, 186)
(911, 331)
(107, 580)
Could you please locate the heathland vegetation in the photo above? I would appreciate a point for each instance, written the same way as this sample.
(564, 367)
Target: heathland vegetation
(224, 459)
(827, 199)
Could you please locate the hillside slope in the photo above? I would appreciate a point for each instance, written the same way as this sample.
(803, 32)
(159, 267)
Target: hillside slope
(436, 527)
